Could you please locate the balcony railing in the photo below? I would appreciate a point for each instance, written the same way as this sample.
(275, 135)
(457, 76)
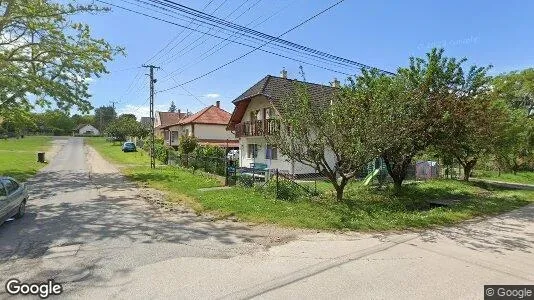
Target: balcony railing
(256, 128)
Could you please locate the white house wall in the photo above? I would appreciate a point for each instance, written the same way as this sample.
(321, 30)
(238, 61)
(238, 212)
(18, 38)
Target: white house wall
(217, 132)
(282, 163)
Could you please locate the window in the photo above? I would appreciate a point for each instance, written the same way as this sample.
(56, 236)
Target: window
(10, 185)
(254, 115)
(252, 150)
(269, 113)
(2, 190)
(271, 152)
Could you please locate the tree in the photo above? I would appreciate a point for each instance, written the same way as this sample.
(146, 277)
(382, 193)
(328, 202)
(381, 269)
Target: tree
(517, 89)
(416, 116)
(331, 135)
(126, 126)
(104, 115)
(515, 148)
(83, 119)
(187, 144)
(47, 58)
(56, 122)
(172, 108)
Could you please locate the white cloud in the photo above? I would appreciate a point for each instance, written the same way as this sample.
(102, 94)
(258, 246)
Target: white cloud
(212, 95)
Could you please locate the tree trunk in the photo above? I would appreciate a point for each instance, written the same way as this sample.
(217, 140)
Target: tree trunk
(397, 170)
(468, 168)
(340, 188)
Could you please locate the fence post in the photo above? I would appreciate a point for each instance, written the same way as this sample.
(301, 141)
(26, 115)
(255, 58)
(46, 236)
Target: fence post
(276, 183)
(226, 171)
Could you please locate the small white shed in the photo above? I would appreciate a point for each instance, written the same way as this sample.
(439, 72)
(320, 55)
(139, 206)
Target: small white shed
(88, 129)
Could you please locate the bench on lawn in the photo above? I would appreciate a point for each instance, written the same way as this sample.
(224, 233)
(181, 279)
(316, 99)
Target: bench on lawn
(256, 170)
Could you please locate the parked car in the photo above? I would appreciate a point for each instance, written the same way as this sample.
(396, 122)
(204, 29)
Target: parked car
(13, 198)
(129, 147)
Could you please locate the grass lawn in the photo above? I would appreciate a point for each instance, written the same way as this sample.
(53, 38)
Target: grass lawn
(519, 177)
(113, 153)
(366, 209)
(18, 157)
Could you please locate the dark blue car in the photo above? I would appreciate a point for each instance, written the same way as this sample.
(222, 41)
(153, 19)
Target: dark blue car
(129, 147)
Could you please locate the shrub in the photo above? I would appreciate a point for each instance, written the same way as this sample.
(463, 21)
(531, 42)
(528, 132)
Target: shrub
(287, 190)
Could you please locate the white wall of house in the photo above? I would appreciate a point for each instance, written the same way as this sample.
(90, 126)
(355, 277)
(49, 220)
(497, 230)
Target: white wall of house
(282, 163)
(88, 129)
(200, 131)
(212, 131)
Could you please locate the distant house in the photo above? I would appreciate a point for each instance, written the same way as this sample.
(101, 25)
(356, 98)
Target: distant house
(208, 126)
(87, 129)
(164, 119)
(255, 117)
(146, 121)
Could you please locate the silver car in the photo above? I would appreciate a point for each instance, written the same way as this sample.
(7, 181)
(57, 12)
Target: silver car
(13, 198)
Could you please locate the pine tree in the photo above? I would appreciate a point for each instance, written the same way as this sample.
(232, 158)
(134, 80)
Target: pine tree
(172, 108)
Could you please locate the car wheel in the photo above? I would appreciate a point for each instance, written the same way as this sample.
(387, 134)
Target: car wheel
(22, 210)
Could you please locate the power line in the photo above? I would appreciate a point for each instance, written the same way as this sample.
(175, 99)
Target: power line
(243, 33)
(191, 32)
(219, 21)
(203, 58)
(181, 53)
(176, 37)
(253, 50)
(225, 39)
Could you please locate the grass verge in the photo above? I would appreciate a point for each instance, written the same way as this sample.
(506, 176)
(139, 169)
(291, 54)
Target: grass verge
(18, 157)
(366, 209)
(519, 177)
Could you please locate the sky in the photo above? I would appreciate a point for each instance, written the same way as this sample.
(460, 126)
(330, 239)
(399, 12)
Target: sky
(382, 34)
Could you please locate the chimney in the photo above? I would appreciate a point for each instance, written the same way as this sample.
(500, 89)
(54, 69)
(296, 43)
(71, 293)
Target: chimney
(178, 111)
(283, 73)
(218, 104)
(335, 83)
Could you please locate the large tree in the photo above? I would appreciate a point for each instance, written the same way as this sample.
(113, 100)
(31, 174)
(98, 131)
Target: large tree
(517, 89)
(418, 115)
(104, 115)
(332, 134)
(126, 126)
(47, 58)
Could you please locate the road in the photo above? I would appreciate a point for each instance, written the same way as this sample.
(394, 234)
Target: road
(89, 229)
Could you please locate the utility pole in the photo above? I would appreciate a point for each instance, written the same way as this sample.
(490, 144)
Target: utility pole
(113, 104)
(152, 137)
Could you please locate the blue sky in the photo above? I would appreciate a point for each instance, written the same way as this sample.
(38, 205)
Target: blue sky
(383, 34)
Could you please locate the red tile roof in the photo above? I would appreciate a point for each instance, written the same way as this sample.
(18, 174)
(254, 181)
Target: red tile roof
(170, 118)
(209, 115)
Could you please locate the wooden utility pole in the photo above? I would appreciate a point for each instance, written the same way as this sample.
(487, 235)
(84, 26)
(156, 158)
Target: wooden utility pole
(113, 104)
(153, 135)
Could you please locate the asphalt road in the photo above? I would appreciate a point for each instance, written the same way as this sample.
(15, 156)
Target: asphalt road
(89, 229)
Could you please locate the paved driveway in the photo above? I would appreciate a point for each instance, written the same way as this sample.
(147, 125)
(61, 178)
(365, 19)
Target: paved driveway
(89, 229)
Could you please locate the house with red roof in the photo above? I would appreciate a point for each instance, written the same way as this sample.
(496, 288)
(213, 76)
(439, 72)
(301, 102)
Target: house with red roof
(208, 126)
(163, 119)
(256, 115)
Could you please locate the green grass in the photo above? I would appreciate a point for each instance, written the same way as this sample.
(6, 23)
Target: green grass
(519, 177)
(367, 209)
(18, 157)
(113, 152)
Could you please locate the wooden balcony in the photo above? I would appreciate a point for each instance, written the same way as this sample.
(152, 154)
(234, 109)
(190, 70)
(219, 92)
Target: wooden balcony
(256, 128)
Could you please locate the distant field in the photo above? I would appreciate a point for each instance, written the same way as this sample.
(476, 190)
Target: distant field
(519, 177)
(113, 152)
(18, 157)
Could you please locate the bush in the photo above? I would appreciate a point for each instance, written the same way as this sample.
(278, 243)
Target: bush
(287, 190)
(245, 180)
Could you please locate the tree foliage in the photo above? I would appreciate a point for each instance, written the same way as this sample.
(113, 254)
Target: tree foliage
(126, 126)
(45, 57)
(104, 115)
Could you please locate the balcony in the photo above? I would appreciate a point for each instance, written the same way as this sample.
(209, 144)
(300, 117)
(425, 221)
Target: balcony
(256, 128)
